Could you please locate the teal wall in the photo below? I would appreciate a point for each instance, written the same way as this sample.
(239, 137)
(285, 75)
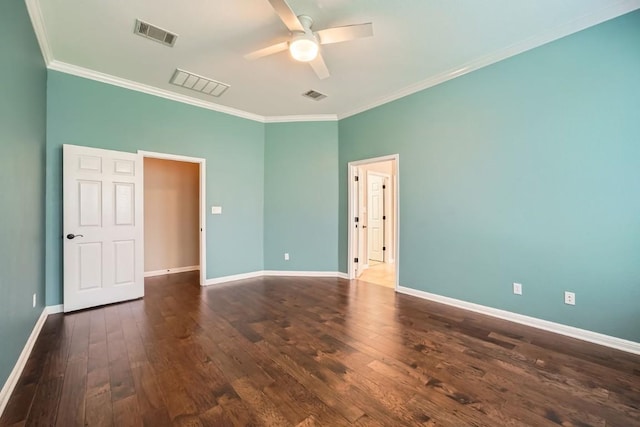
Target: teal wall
(22, 139)
(85, 112)
(527, 170)
(301, 196)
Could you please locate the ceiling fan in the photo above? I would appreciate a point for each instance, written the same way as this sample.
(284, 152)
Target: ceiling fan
(304, 44)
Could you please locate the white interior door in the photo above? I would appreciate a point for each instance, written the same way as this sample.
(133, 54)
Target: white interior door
(103, 227)
(375, 212)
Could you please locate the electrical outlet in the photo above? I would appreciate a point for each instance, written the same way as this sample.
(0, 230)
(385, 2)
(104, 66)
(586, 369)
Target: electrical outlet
(286, 256)
(34, 300)
(517, 288)
(569, 298)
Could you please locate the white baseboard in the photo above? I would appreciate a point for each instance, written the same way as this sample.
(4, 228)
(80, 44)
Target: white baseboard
(53, 309)
(268, 273)
(558, 328)
(14, 376)
(233, 278)
(171, 271)
(285, 273)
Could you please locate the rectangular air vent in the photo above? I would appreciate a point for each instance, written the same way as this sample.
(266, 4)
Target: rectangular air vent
(198, 83)
(152, 32)
(316, 96)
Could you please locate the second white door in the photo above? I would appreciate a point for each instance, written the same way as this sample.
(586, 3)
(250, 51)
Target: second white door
(375, 216)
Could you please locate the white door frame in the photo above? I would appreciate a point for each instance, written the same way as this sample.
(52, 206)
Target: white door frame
(202, 200)
(353, 167)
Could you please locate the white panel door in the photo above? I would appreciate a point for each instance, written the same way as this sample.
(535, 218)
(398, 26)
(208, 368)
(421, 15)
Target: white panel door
(103, 229)
(375, 212)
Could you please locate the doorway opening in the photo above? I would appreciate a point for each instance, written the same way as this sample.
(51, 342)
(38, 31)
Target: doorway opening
(374, 220)
(174, 214)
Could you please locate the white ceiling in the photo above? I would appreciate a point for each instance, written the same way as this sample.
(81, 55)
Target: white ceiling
(416, 43)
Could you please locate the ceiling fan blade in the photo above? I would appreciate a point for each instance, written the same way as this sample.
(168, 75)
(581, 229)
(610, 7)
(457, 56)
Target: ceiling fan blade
(346, 33)
(267, 51)
(287, 15)
(320, 67)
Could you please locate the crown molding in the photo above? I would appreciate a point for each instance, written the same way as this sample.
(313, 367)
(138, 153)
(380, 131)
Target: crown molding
(302, 118)
(617, 9)
(35, 14)
(586, 21)
(151, 90)
(86, 73)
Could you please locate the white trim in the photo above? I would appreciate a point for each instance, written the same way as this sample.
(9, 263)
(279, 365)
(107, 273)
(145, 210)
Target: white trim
(171, 271)
(274, 273)
(14, 376)
(55, 309)
(586, 21)
(86, 73)
(352, 166)
(605, 14)
(284, 273)
(352, 208)
(233, 278)
(302, 118)
(175, 157)
(374, 160)
(37, 21)
(558, 328)
(202, 200)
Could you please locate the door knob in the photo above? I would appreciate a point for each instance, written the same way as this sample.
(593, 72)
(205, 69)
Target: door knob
(71, 236)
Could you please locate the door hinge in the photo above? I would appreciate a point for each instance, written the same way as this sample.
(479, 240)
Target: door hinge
(355, 260)
(356, 219)
(384, 248)
(384, 186)
(384, 217)
(355, 178)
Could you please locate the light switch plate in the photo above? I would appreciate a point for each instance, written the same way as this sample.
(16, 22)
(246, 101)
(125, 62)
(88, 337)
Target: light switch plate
(216, 210)
(517, 288)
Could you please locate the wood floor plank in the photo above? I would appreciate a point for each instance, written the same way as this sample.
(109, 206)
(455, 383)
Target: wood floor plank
(126, 412)
(99, 409)
(73, 394)
(121, 378)
(291, 351)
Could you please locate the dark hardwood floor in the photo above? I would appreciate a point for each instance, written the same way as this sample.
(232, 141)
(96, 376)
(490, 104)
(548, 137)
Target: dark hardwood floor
(302, 351)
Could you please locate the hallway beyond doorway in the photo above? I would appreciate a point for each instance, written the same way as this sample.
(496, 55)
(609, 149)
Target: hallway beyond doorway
(380, 273)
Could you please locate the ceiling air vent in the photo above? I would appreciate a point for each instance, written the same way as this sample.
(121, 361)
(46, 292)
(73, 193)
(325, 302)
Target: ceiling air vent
(198, 83)
(152, 32)
(316, 96)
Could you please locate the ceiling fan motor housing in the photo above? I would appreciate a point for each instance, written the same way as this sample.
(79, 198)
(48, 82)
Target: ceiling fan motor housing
(304, 47)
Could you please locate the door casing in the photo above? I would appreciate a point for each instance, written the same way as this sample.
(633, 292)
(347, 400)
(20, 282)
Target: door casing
(202, 201)
(353, 211)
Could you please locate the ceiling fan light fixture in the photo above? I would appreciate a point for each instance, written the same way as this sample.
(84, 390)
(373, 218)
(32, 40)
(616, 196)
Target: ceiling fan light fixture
(304, 48)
